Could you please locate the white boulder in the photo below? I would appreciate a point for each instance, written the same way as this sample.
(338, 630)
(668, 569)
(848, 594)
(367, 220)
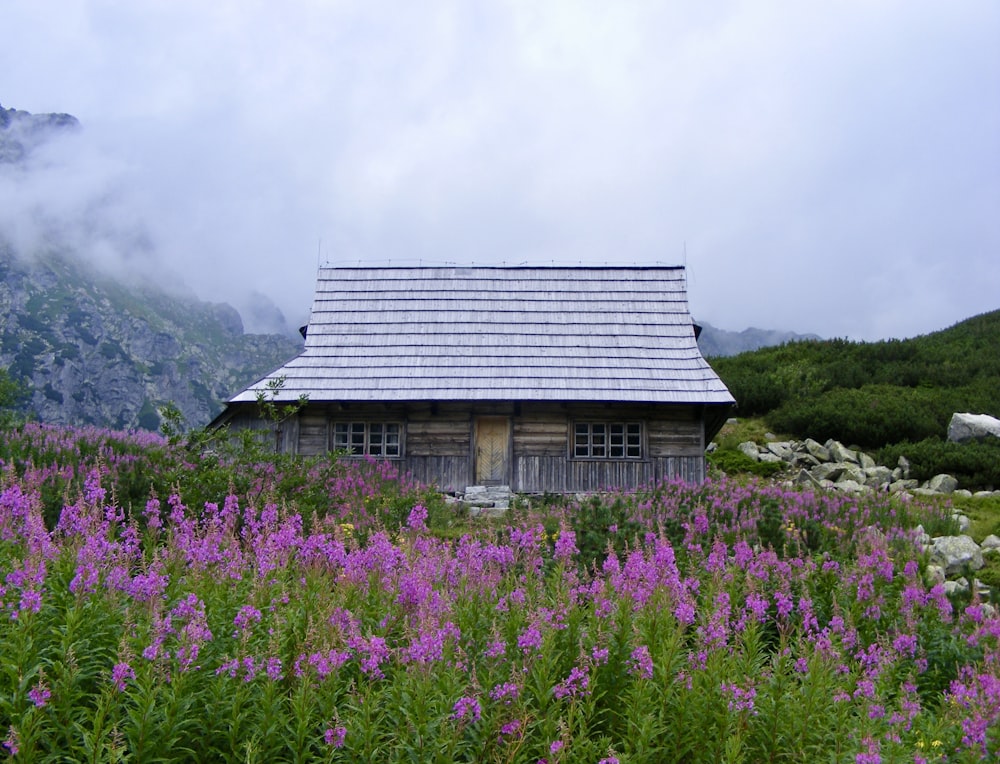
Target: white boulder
(953, 553)
(966, 427)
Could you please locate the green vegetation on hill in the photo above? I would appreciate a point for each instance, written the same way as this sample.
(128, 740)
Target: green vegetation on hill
(879, 394)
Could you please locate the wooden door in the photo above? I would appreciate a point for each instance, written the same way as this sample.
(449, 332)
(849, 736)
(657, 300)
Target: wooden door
(492, 450)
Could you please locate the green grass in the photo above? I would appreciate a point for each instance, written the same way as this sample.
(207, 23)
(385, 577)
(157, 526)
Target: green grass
(743, 429)
(983, 514)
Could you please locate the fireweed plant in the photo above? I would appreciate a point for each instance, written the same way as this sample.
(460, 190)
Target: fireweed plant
(693, 623)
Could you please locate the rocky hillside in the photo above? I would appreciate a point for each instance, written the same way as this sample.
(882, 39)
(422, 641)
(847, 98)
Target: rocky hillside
(92, 348)
(94, 351)
(21, 132)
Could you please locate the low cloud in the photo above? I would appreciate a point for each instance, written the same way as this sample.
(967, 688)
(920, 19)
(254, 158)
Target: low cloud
(821, 169)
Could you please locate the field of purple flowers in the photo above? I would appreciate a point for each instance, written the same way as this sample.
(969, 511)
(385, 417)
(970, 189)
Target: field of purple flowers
(160, 602)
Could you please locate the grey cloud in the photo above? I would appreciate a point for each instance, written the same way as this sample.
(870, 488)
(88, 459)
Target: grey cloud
(827, 169)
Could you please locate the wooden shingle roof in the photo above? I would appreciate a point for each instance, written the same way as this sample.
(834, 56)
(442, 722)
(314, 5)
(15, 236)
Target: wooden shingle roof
(500, 333)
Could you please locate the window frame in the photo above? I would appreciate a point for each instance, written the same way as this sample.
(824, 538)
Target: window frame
(359, 437)
(620, 440)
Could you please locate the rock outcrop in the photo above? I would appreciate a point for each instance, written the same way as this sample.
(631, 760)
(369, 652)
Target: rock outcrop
(22, 132)
(94, 351)
(966, 427)
(835, 466)
(953, 558)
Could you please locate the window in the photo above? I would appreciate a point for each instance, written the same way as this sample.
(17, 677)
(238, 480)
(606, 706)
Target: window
(607, 440)
(368, 438)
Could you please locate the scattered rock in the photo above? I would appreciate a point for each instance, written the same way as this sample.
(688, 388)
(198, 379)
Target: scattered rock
(942, 484)
(834, 465)
(487, 500)
(966, 427)
(878, 477)
(953, 553)
(805, 477)
(855, 474)
(841, 453)
(904, 465)
(923, 538)
(991, 544)
(816, 450)
(829, 471)
(961, 521)
(849, 486)
(781, 450)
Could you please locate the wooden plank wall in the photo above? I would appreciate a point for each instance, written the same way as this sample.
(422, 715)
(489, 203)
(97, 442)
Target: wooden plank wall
(438, 445)
(314, 433)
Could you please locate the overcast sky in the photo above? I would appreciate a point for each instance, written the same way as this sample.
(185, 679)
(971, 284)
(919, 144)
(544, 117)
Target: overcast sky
(827, 167)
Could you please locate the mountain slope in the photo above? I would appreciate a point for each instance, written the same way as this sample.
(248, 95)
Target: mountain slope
(715, 342)
(93, 348)
(871, 393)
(95, 351)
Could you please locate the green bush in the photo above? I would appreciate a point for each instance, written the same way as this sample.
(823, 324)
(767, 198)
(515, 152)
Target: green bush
(870, 393)
(738, 463)
(12, 396)
(870, 416)
(976, 465)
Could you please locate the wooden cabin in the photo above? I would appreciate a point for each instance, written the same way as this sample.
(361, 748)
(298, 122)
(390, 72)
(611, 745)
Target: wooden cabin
(556, 379)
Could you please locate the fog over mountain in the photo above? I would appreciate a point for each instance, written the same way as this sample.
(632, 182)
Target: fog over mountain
(61, 191)
(95, 325)
(822, 167)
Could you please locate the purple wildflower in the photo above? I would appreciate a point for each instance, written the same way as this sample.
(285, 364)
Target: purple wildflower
(12, 743)
(530, 640)
(870, 756)
(467, 707)
(417, 519)
(641, 662)
(335, 736)
(574, 684)
(273, 669)
(121, 674)
(511, 728)
(740, 699)
(565, 547)
(496, 649)
(40, 694)
(506, 692)
(246, 616)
